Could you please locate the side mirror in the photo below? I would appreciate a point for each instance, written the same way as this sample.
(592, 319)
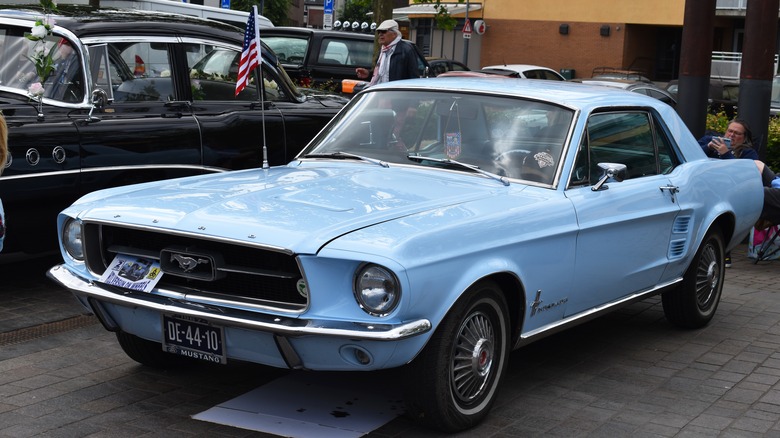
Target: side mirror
(614, 171)
(99, 100)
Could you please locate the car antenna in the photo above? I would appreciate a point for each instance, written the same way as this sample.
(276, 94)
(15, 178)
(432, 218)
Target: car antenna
(262, 114)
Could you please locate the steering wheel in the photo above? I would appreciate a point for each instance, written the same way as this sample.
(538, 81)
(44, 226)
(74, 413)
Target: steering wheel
(510, 154)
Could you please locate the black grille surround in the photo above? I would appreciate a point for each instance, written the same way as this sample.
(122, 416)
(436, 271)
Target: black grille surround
(248, 275)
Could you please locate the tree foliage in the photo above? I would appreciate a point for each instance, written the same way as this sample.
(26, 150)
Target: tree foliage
(274, 10)
(356, 10)
(443, 18)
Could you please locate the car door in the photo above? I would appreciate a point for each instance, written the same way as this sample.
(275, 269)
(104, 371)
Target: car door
(148, 132)
(42, 170)
(625, 228)
(334, 58)
(234, 129)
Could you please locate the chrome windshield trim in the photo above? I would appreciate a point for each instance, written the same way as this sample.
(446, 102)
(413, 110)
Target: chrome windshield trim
(278, 325)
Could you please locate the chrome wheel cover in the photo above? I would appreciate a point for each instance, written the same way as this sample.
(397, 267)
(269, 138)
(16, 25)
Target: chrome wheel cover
(707, 276)
(472, 357)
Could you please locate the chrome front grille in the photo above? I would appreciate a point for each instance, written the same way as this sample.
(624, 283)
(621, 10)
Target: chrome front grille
(242, 274)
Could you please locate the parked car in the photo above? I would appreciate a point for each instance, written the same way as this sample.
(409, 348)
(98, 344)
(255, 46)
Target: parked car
(433, 224)
(723, 95)
(442, 65)
(321, 59)
(152, 96)
(526, 71)
(638, 86)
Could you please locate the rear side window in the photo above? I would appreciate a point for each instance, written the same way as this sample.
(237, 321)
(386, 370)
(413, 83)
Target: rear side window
(352, 53)
(289, 50)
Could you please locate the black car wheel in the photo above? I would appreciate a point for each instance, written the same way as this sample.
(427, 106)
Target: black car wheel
(454, 381)
(693, 303)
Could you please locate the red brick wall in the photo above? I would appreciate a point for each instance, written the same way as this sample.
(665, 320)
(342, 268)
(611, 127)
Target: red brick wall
(540, 43)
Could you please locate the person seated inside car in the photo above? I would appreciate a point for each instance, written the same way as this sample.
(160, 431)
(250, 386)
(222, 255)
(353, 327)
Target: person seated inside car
(65, 82)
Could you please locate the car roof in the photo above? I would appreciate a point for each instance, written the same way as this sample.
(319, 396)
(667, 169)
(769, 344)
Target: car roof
(573, 95)
(85, 21)
(306, 31)
(604, 82)
(518, 67)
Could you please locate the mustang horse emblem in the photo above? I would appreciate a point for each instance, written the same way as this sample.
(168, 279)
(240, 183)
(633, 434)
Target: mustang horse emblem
(187, 264)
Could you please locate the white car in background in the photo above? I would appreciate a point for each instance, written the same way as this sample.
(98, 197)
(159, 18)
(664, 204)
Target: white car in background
(527, 71)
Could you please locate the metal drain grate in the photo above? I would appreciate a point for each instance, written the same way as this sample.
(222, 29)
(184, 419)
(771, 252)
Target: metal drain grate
(49, 328)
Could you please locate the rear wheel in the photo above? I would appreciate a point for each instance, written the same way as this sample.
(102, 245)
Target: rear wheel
(149, 353)
(453, 383)
(693, 303)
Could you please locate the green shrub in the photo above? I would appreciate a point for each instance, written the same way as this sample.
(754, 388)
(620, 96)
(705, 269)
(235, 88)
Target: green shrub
(719, 122)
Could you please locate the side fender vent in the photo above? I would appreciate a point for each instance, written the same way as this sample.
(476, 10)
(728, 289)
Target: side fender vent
(677, 248)
(681, 225)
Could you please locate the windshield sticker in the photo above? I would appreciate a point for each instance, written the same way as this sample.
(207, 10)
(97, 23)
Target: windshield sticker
(452, 145)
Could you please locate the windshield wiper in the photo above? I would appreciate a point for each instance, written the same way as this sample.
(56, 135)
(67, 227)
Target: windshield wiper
(466, 166)
(340, 154)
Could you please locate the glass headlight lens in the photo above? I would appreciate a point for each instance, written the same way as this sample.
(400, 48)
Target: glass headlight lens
(376, 289)
(71, 239)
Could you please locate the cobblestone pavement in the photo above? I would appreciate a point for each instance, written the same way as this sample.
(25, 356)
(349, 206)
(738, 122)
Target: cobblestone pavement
(627, 374)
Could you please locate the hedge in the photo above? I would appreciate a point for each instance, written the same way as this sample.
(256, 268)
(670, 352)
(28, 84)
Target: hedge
(719, 121)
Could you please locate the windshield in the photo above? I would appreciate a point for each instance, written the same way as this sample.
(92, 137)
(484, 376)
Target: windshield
(511, 137)
(61, 80)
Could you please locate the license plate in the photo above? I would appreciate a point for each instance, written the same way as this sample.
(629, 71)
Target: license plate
(193, 337)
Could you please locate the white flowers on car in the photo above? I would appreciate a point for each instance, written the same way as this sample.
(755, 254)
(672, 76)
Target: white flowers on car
(39, 32)
(36, 90)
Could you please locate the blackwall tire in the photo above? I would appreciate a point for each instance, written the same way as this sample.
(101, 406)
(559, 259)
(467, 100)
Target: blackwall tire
(693, 303)
(453, 383)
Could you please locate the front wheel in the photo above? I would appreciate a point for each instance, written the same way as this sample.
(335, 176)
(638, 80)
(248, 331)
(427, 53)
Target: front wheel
(692, 304)
(149, 353)
(453, 383)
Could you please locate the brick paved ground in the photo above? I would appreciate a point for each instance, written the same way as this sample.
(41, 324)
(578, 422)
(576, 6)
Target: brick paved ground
(627, 374)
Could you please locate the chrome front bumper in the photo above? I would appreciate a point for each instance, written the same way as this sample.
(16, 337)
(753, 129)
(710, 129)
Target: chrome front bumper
(277, 325)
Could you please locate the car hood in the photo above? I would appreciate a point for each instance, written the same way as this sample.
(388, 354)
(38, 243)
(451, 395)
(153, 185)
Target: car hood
(298, 208)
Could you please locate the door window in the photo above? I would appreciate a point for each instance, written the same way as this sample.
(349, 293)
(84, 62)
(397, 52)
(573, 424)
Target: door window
(632, 138)
(213, 75)
(141, 72)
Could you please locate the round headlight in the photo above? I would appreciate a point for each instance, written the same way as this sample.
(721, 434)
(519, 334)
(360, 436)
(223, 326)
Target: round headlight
(71, 239)
(376, 289)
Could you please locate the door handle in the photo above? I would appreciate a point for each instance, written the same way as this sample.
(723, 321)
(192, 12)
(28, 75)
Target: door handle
(672, 191)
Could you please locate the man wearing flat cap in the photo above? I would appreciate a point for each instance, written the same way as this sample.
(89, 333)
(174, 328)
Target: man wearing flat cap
(396, 61)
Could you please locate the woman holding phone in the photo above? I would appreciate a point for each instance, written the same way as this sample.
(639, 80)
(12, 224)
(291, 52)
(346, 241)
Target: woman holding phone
(737, 142)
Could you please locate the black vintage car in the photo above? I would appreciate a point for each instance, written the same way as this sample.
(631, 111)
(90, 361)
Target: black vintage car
(145, 96)
(321, 59)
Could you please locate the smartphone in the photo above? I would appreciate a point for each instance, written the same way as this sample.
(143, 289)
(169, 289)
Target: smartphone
(726, 141)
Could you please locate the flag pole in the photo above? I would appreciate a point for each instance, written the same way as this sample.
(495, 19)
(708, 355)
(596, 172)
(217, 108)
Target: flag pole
(262, 84)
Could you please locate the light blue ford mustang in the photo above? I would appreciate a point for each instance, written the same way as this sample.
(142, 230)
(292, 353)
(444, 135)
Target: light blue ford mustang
(435, 224)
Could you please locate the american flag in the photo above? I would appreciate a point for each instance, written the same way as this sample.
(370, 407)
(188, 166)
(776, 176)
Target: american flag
(250, 55)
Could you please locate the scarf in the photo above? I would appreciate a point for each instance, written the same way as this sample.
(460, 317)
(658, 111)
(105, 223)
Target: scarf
(382, 69)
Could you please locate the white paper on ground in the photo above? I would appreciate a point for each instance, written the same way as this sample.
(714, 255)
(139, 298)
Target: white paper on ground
(308, 404)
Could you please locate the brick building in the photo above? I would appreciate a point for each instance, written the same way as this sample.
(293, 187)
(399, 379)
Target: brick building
(579, 35)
